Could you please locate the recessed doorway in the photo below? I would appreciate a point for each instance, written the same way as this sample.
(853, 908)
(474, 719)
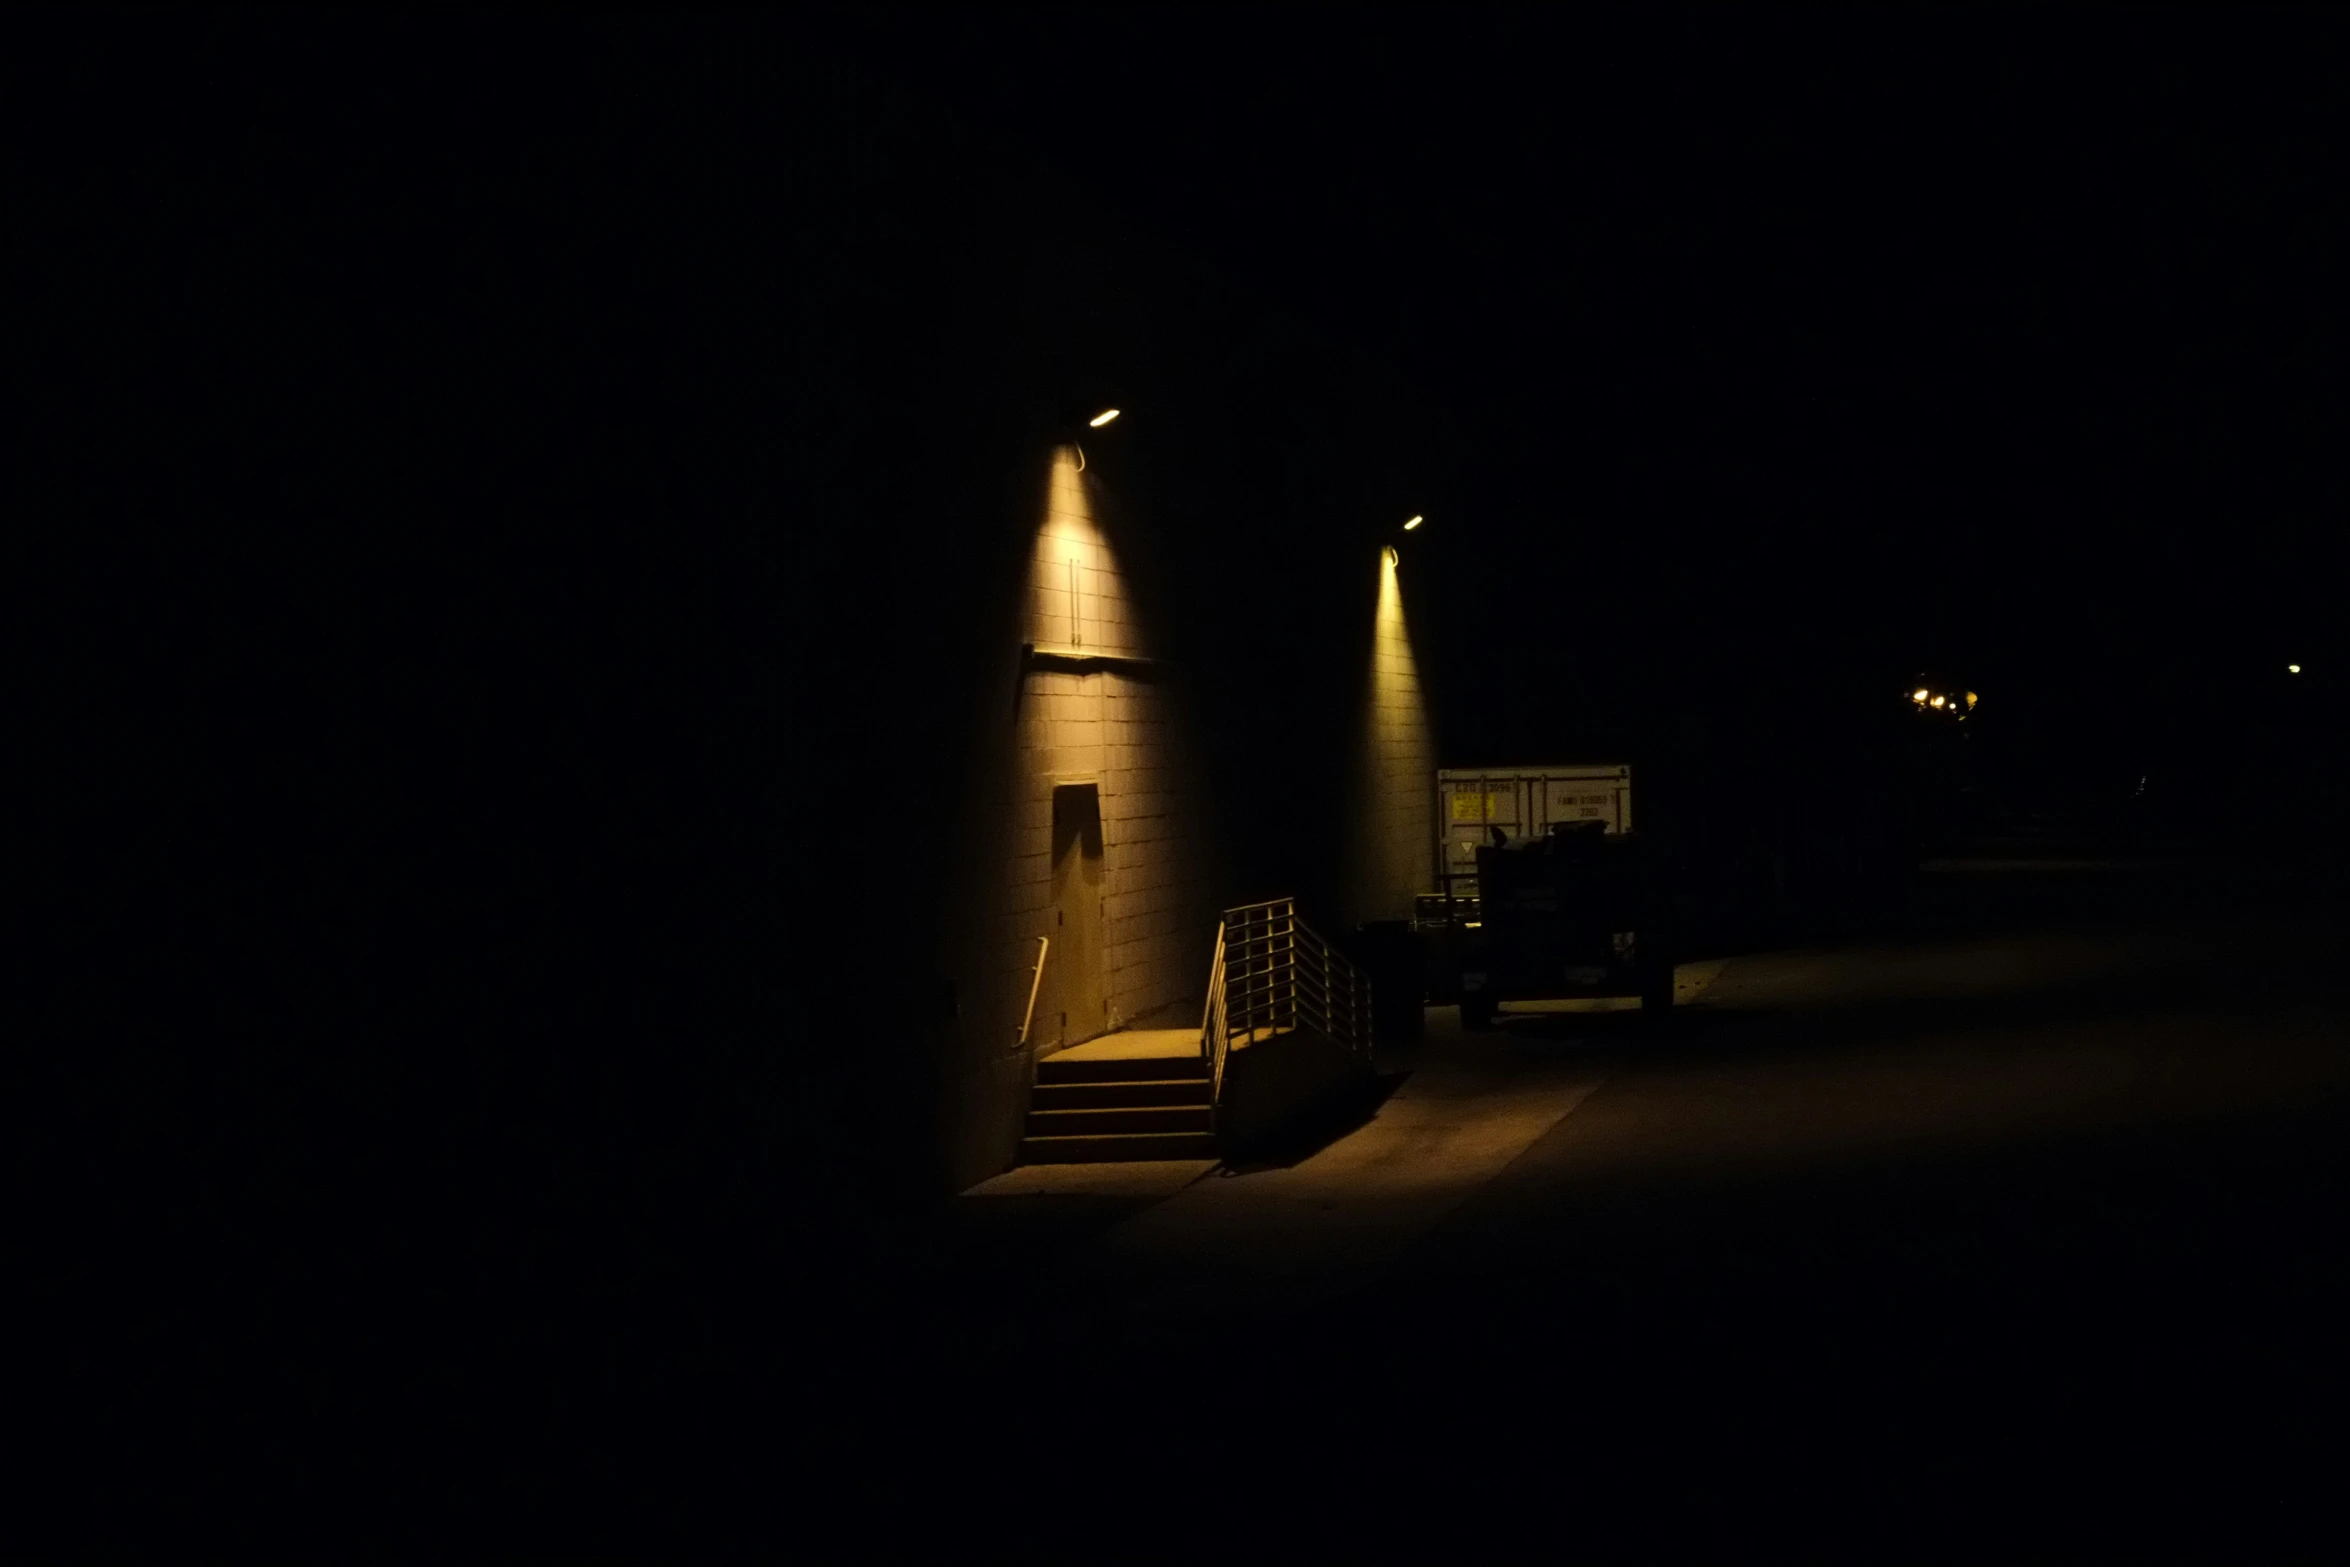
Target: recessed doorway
(1076, 1001)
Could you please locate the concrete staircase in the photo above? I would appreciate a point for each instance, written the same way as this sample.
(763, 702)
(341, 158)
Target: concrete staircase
(1141, 1094)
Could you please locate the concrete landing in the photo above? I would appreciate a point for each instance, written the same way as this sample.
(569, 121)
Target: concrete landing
(1134, 1044)
(1153, 1044)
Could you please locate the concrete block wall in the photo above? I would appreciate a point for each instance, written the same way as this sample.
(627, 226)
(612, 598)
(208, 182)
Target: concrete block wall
(1391, 828)
(1100, 618)
(1129, 734)
(1158, 930)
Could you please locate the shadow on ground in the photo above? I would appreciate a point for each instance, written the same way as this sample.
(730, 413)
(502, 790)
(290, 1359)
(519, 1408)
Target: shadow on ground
(1308, 1134)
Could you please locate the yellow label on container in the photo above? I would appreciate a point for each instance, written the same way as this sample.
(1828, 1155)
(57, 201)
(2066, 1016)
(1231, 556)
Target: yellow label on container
(1472, 805)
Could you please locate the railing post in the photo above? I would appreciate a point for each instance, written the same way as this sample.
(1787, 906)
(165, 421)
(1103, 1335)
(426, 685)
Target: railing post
(1263, 946)
(1329, 996)
(1289, 960)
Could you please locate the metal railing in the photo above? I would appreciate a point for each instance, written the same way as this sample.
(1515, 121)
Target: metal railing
(1215, 1036)
(1035, 983)
(1272, 972)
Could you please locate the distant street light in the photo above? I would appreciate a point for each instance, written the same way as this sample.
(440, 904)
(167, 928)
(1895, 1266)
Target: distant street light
(2292, 669)
(1417, 520)
(1957, 704)
(1102, 418)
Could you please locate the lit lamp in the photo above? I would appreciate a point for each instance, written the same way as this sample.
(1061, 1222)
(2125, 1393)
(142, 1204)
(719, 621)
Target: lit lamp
(1388, 554)
(1957, 704)
(1097, 422)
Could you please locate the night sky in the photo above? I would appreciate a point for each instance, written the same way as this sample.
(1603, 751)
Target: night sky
(1807, 351)
(1997, 342)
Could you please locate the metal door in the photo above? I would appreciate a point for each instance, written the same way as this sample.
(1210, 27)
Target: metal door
(1076, 1004)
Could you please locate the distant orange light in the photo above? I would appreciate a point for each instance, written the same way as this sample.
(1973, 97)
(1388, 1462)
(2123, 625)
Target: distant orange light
(1937, 702)
(1102, 418)
(1919, 695)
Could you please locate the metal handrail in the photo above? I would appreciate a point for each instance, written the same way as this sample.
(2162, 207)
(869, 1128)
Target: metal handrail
(1035, 983)
(1272, 972)
(1215, 1038)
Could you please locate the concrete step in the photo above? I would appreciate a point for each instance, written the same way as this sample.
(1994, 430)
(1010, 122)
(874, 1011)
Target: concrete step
(1127, 1069)
(1120, 1148)
(1120, 1118)
(1095, 1096)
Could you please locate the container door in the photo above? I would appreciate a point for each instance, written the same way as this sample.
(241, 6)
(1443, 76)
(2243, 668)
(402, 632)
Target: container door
(1598, 798)
(1468, 808)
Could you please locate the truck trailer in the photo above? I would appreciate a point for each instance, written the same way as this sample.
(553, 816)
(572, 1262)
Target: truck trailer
(1544, 891)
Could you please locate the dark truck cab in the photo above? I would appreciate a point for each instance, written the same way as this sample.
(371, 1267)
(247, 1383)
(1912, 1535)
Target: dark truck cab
(1578, 912)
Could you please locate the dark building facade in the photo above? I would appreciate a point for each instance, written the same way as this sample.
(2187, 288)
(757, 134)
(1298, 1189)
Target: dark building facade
(610, 621)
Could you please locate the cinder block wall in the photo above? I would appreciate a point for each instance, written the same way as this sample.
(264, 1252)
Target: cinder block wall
(1131, 735)
(1390, 820)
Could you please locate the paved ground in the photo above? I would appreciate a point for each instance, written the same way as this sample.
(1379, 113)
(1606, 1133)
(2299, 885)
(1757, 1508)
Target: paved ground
(1285, 1233)
(2010, 1232)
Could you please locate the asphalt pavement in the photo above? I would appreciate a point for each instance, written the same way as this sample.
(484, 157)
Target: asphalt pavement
(2008, 1230)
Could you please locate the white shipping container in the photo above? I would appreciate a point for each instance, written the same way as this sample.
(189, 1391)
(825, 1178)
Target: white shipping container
(1523, 802)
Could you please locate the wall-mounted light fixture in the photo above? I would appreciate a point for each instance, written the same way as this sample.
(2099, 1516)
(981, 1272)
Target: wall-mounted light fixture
(1094, 423)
